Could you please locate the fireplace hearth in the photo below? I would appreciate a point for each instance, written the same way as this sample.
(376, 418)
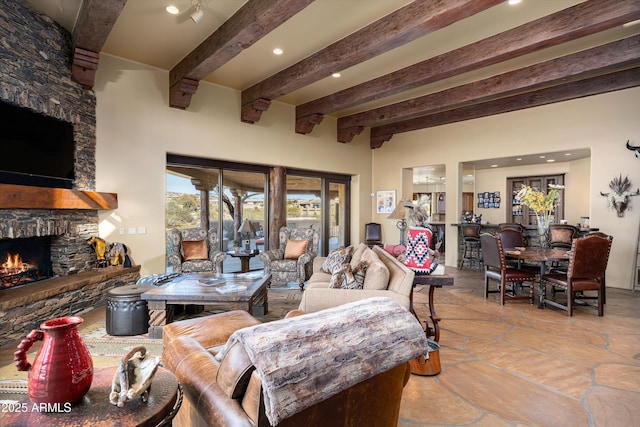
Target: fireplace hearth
(24, 261)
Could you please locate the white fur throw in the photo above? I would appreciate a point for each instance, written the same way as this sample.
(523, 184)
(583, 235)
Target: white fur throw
(306, 359)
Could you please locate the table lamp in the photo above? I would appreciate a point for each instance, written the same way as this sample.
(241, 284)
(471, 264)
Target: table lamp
(399, 214)
(247, 227)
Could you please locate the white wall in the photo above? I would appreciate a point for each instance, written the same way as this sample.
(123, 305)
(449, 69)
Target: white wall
(136, 128)
(602, 123)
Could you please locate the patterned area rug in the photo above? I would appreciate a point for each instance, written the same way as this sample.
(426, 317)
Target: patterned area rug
(107, 350)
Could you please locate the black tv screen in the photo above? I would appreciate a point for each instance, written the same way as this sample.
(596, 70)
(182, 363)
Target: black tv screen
(35, 149)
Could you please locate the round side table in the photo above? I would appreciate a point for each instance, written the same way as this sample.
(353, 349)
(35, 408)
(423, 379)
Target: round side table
(95, 410)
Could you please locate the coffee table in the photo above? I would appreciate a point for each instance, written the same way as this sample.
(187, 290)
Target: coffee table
(201, 288)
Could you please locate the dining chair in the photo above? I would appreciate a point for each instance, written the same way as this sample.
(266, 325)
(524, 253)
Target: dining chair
(373, 234)
(511, 226)
(496, 269)
(561, 235)
(587, 267)
(511, 239)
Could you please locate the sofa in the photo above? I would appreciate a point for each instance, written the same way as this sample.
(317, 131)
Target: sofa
(214, 359)
(385, 276)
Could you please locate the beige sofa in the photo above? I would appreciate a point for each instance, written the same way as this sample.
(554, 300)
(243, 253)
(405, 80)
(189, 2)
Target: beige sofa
(396, 284)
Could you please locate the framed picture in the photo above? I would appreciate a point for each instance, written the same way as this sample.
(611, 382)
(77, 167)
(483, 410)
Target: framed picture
(385, 201)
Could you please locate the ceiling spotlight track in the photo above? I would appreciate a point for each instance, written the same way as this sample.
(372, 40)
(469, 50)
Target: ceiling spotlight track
(198, 14)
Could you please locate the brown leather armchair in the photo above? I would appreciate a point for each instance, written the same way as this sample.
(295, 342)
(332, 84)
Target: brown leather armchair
(229, 393)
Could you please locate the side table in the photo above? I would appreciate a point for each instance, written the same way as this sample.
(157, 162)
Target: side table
(95, 410)
(245, 257)
(433, 282)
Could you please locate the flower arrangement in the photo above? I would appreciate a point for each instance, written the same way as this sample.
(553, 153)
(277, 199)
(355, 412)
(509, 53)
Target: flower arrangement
(542, 204)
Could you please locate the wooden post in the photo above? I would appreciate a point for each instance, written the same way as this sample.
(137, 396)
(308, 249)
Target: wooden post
(277, 204)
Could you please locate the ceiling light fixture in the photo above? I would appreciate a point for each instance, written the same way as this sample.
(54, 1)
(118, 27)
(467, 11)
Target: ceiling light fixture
(278, 51)
(514, 2)
(173, 10)
(336, 75)
(198, 14)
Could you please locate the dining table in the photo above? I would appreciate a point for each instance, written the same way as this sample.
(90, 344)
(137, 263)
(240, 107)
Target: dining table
(539, 256)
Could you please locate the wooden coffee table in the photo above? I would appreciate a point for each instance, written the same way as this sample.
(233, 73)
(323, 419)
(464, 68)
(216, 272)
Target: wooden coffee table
(200, 288)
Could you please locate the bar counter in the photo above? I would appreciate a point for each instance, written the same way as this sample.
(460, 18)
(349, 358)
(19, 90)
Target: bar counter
(530, 234)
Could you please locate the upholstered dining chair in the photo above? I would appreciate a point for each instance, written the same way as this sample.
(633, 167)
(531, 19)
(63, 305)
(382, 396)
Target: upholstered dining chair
(194, 250)
(373, 234)
(496, 269)
(561, 235)
(512, 239)
(511, 226)
(293, 260)
(587, 267)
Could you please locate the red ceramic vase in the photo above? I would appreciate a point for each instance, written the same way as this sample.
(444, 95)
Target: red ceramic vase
(63, 369)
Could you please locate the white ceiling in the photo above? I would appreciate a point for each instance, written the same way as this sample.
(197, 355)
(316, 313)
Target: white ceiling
(146, 33)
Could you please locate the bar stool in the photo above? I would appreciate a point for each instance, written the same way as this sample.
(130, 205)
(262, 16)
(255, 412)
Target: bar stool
(471, 245)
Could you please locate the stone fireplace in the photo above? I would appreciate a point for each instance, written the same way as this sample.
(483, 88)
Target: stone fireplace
(35, 75)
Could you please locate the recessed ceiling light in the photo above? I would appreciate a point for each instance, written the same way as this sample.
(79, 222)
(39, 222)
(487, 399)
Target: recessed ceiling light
(172, 9)
(513, 2)
(550, 160)
(519, 158)
(335, 75)
(278, 51)
(494, 166)
(567, 154)
(542, 157)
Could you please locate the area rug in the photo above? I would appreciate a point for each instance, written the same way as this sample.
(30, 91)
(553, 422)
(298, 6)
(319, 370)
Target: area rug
(107, 350)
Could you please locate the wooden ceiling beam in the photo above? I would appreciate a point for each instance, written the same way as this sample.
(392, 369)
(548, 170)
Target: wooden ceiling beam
(607, 58)
(568, 24)
(415, 20)
(95, 21)
(250, 23)
(620, 80)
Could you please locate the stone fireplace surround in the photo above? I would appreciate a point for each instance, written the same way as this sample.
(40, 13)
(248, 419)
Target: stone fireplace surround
(35, 70)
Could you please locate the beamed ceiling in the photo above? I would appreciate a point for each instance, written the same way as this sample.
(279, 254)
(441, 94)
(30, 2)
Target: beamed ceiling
(404, 65)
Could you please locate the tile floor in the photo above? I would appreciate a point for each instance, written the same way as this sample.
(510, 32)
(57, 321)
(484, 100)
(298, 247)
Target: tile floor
(517, 365)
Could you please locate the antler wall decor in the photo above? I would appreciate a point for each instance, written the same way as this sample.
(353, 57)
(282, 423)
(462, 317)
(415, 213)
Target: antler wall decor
(635, 148)
(619, 199)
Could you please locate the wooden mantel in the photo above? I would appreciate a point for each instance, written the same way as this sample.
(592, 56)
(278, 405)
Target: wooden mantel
(28, 197)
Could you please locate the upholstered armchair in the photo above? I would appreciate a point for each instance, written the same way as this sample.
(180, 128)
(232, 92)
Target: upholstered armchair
(293, 260)
(194, 250)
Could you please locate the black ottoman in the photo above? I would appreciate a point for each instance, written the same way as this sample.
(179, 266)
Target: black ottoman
(127, 313)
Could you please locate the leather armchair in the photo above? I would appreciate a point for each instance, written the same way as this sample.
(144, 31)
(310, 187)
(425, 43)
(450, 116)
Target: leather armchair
(210, 259)
(298, 270)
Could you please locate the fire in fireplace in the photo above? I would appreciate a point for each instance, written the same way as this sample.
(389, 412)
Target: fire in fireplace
(24, 261)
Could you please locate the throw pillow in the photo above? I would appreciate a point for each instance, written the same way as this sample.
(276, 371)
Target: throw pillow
(349, 277)
(294, 248)
(336, 259)
(377, 277)
(194, 249)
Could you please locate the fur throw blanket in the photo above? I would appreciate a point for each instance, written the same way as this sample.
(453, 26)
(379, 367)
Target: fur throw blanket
(306, 359)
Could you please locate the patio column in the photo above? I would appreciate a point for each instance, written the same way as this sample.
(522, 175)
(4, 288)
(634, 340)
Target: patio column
(204, 187)
(277, 204)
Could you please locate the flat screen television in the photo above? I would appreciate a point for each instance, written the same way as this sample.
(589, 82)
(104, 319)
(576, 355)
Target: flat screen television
(35, 149)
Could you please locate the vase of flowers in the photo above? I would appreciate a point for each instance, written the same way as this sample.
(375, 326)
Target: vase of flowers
(543, 205)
